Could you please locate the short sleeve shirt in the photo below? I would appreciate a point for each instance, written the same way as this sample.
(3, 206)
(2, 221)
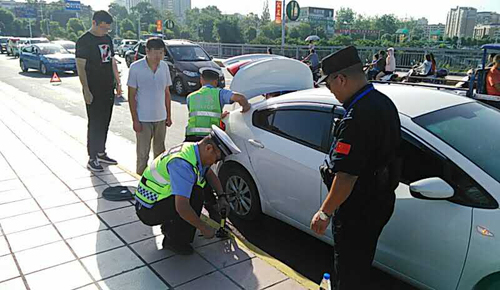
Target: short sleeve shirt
(224, 97)
(493, 78)
(365, 139)
(151, 88)
(182, 175)
(98, 52)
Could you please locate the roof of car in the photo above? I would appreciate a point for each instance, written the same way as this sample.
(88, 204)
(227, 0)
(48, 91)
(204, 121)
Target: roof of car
(179, 42)
(410, 101)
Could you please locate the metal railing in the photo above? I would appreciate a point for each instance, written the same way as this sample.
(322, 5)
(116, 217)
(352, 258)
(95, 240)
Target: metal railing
(453, 59)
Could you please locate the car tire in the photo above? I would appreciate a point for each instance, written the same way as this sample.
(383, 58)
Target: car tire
(43, 69)
(241, 190)
(179, 87)
(24, 68)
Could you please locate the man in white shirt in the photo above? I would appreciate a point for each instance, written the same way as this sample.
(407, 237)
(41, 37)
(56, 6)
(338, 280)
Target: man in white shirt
(149, 99)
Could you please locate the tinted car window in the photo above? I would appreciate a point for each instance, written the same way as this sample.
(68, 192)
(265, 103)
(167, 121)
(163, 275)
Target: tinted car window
(189, 53)
(305, 126)
(142, 48)
(419, 163)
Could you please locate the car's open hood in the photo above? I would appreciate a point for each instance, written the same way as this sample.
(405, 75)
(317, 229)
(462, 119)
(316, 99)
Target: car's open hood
(248, 57)
(272, 75)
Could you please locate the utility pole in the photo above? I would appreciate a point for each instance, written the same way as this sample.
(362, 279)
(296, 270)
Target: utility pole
(31, 32)
(283, 21)
(139, 28)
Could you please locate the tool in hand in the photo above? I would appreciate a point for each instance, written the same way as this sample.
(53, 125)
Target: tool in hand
(222, 232)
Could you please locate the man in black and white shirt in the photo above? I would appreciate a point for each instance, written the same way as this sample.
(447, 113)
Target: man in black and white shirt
(98, 74)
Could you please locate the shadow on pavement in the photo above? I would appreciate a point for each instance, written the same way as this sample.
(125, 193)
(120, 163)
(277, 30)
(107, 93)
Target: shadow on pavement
(300, 251)
(38, 75)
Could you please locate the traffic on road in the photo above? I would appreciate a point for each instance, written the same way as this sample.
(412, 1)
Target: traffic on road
(442, 231)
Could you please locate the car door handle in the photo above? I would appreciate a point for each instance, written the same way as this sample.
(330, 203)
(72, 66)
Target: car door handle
(256, 143)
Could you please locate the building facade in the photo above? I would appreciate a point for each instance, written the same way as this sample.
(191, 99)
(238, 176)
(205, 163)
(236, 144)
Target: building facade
(315, 16)
(433, 31)
(180, 7)
(487, 30)
(460, 22)
(487, 17)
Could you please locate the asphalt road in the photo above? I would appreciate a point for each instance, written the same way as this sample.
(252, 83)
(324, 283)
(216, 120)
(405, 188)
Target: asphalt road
(303, 253)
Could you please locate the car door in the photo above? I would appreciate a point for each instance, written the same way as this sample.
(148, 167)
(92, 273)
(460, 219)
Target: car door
(28, 56)
(170, 61)
(289, 144)
(427, 240)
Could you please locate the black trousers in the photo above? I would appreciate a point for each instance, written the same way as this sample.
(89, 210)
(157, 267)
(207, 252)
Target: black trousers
(173, 225)
(208, 194)
(355, 242)
(99, 117)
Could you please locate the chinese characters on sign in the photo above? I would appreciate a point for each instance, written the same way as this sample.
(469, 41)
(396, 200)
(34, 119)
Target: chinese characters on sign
(279, 11)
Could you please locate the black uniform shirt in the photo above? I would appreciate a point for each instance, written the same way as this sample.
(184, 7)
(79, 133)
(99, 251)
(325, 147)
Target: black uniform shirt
(99, 52)
(365, 140)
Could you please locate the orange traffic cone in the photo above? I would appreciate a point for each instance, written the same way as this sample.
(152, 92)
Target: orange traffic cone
(55, 80)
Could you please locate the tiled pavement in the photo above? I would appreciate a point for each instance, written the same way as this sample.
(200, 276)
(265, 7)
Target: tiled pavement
(57, 232)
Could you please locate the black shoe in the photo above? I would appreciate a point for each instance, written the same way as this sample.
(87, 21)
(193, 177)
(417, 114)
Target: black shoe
(184, 250)
(94, 166)
(103, 157)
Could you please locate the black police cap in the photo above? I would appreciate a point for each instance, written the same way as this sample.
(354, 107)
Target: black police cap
(338, 61)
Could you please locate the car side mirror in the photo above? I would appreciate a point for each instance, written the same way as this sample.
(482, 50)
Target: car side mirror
(433, 188)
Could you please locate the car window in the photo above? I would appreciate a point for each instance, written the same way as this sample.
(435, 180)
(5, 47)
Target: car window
(142, 48)
(189, 53)
(52, 49)
(468, 129)
(419, 162)
(305, 126)
(27, 49)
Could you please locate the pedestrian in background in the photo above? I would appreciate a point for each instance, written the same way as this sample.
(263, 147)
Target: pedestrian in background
(360, 174)
(149, 84)
(98, 73)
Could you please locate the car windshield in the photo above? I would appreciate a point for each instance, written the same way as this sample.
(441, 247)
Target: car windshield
(3, 40)
(189, 53)
(470, 129)
(34, 41)
(68, 45)
(52, 49)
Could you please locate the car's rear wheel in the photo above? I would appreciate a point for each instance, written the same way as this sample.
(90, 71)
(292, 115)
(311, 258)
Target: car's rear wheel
(43, 69)
(24, 68)
(243, 195)
(179, 87)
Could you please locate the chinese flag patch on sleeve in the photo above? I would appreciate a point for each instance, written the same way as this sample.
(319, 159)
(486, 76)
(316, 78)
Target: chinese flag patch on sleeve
(343, 148)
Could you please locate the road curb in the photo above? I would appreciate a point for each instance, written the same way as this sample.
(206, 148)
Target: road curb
(242, 242)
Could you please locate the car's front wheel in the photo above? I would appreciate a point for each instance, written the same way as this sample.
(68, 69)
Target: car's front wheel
(243, 195)
(43, 69)
(24, 68)
(179, 87)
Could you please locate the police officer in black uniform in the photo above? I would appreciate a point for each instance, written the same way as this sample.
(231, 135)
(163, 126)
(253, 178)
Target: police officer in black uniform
(362, 172)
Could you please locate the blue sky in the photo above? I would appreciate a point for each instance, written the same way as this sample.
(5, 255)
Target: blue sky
(434, 10)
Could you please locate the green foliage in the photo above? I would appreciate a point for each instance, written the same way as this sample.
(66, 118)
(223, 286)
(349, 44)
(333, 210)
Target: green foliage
(266, 16)
(74, 25)
(271, 30)
(250, 34)
(344, 18)
(129, 35)
(126, 25)
(117, 11)
(7, 18)
(146, 12)
(228, 30)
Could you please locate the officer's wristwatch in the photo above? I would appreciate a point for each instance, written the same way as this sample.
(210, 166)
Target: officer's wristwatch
(324, 216)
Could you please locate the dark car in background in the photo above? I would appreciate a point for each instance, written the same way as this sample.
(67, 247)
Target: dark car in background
(4, 40)
(184, 59)
(47, 58)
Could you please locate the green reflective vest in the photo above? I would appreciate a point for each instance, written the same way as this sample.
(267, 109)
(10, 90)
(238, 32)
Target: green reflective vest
(204, 111)
(155, 182)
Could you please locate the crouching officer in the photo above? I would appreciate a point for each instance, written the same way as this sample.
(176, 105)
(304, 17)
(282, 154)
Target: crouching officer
(362, 169)
(170, 192)
(205, 109)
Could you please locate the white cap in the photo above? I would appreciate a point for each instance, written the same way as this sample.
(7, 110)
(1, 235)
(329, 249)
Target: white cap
(224, 142)
(210, 70)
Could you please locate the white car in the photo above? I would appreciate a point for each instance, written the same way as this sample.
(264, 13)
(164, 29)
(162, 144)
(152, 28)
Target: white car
(445, 227)
(67, 44)
(125, 46)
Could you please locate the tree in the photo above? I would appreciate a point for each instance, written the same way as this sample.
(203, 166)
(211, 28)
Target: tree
(302, 31)
(205, 28)
(127, 25)
(7, 18)
(344, 18)
(266, 16)
(271, 30)
(118, 11)
(228, 30)
(387, 23)
(152, 28)
(147, 13)
(129, 35)
(250, 34)
(75, 25)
